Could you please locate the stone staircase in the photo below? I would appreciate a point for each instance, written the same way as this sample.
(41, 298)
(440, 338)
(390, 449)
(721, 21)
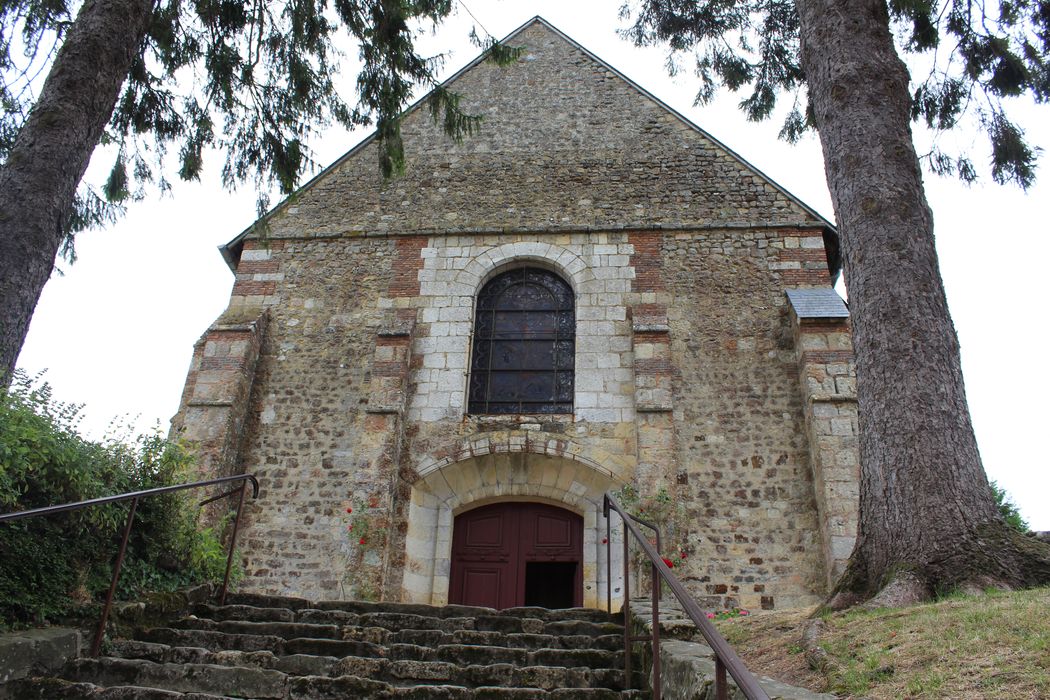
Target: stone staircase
(278, 648)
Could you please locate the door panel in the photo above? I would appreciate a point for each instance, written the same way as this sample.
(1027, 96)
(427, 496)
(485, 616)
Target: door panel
(552, 532)
(482, 585)
(487, 531)
(493, 545)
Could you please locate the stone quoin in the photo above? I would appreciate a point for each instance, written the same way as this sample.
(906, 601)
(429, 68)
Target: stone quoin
(702, 359)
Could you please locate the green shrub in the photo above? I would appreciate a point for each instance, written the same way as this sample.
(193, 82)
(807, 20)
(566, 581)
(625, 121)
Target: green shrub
(50, 564)
(1009, 510)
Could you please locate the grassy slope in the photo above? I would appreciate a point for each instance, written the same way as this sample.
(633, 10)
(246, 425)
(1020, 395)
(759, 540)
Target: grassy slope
(990, 646)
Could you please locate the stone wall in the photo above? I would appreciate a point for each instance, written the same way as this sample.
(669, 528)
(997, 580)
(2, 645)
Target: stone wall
(687, 376)
(687, 383)
(311, 440)
(742, 464)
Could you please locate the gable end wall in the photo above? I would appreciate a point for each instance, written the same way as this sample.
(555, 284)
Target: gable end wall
(687, 371)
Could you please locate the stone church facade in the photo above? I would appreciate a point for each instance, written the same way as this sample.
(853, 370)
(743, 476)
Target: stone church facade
(708, 364)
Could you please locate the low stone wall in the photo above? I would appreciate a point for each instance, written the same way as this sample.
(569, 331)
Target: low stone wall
(689, 674)
(44, 650)
(32, 651)
(688, 666)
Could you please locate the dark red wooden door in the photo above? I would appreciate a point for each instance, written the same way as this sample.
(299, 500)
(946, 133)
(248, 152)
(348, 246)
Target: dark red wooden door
(511, 554)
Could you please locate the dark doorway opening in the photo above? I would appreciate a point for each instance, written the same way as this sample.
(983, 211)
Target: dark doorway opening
(550, 584)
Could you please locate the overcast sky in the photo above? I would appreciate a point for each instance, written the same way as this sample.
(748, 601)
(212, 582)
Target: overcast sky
(116, 331)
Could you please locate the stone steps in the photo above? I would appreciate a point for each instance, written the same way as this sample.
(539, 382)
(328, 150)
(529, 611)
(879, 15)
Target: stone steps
(310, 688)
(236, 600)
(390, 668)
(326, 625)
(60, 689)
(275, 648)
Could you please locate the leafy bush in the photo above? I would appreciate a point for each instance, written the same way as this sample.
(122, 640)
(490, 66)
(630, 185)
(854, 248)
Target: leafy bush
(50, 564)
(1008, 509)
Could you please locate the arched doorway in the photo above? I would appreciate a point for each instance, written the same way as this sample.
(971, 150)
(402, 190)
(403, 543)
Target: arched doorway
(511, 554)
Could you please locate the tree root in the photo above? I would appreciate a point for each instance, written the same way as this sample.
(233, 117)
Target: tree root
(816, 657)
(982, 584)
(993, 557)
(904, 588)
(840, 600)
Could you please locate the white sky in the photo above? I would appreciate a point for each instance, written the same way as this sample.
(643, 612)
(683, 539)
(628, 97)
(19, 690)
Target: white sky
(116, 331)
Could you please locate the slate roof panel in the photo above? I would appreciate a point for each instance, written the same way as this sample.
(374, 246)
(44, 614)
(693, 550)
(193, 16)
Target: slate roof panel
(817, 303)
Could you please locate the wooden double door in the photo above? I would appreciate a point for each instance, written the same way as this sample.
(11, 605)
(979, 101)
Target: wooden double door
(511, 554)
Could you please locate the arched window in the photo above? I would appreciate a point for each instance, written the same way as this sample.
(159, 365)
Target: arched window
(524, 344)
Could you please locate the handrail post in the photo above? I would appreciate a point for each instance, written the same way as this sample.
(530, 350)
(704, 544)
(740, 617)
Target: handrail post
(721, 687)
(656, 630)
(658, 589)
(608, 557)
(626, 610)
(233, 543)
(96, 645)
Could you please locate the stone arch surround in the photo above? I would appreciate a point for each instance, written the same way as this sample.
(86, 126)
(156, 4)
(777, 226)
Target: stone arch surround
(493, 261)
(482, 471)
(454, 270)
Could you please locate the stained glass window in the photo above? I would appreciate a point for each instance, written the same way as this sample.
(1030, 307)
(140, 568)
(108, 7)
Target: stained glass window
(524, 344)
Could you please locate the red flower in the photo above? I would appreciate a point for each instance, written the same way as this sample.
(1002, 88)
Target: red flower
(710, 616)
(349, 510)
(670, 564)
(605, 540)
(361, 541)
(744, 612)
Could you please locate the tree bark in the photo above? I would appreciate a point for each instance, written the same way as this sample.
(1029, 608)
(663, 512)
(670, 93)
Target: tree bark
(38, 182)
(925, 505)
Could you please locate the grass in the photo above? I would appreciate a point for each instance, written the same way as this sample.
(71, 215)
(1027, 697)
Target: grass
(995, 645)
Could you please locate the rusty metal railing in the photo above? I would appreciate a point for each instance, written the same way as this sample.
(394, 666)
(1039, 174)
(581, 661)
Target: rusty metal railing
(725, 658)
(134, 497)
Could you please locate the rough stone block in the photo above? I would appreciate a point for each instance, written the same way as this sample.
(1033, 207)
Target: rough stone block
(45, 649)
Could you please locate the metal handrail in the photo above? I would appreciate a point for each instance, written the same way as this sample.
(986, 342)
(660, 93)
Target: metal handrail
(725, 658)
(134, 497)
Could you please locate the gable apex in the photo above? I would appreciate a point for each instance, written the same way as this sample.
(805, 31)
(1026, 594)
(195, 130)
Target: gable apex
(517, 104)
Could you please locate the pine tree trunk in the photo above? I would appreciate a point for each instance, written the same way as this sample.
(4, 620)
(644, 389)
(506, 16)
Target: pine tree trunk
(39, 180)
(928, 520)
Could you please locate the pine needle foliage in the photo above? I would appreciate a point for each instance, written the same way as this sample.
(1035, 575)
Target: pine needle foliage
(252, 79)
(494, 50)
(979, 56)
